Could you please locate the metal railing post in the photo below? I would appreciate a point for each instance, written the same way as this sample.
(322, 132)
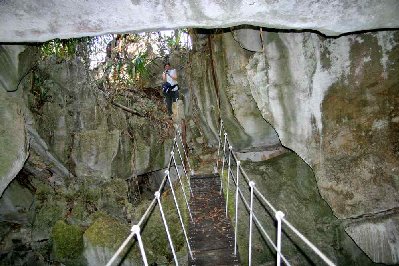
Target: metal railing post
(185, 153)
(228, 179)
(279, 217)
(181, 159)
(236, 214)
(182, 186)
(220, 136)
(184, 168)
(252, 185)
(158, 197)
(224, 156)
(178, 212)
(136, 231)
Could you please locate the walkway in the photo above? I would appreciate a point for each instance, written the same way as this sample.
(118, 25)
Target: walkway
(212, 236)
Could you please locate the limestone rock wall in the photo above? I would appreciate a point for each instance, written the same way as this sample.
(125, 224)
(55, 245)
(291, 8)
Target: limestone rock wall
(377, 237)
(333, 101)
(86, 133)
(289, 183)
(224, 84)
(28, 21)
(13, 140)
(69, 155)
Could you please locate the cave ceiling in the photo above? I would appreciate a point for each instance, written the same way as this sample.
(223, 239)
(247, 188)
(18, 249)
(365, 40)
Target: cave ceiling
(42, 20)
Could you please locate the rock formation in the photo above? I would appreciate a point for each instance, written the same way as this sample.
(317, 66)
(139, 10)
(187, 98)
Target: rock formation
(332, 101)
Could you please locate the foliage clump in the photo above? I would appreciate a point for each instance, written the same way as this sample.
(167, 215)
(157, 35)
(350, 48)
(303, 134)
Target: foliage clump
(64, 49)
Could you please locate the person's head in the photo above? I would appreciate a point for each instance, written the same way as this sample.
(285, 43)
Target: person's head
(167, 66)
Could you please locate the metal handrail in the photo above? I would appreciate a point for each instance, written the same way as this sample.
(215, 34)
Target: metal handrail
(278, 215)
(228, 158)
(136, 229)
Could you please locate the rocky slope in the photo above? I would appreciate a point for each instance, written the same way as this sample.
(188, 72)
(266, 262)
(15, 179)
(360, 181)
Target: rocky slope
(72, 164)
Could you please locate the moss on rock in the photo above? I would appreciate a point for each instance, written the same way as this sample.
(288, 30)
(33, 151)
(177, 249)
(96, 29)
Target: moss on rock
(114, 198)
(47, 215)
(106, 232)
(154, 235)
(67, 241)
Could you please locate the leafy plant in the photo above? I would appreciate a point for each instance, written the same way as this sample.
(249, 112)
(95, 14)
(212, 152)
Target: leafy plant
(40, 92)
(64, 49)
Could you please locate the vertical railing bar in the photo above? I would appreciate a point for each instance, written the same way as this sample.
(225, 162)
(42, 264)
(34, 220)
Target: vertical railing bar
(236, 213)
(185, 153)
(279, 216)
(157, 196)
(184, 168)
(181, 159)
(178, 212)
(260, 227)
(219, 143)
(136, 231)
(182, 186)
(228, 180)
(224, 159)
(251, 184)
(188, 161)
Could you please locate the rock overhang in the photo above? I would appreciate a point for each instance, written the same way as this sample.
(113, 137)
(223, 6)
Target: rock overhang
(42, 20)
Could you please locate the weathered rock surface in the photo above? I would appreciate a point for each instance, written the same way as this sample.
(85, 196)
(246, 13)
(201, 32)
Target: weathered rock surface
(25, 21)
(13, 140)
(105, 234)
(225, 83)
(94, 151)
(102, 239)
(263, 154)
(86, 133)
(289, 184)
(378, 237)
(84, 157)
(16, 204)
(334, 103)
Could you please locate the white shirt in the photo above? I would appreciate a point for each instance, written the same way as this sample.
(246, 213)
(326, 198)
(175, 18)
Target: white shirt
(172, 72)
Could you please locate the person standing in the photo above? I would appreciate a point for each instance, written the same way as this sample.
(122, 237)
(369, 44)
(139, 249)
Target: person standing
(172, 95)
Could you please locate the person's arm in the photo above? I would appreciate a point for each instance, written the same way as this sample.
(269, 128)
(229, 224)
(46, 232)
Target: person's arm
(164, 76)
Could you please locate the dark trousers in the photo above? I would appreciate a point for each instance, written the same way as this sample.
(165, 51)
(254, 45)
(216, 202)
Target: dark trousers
(171, 97)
